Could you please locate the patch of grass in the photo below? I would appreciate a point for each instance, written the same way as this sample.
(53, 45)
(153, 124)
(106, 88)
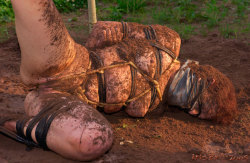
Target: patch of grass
(188, 12)
(69, 5)
(184, 16)
(228, 32)
(131, 6)
(246, 29)
(184, 30)
(114, 14)
(241, 7)
(3, 33)
(126, 10)
(161, 16)
(6, 16)
(134, 18)
(7, 30)
(6, 11)
(179, 11)
(212, 13)
(233, 31)
(203, 30)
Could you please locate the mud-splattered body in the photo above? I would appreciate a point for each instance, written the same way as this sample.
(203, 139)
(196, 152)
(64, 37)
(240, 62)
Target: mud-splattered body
(136, 48)
(118, 82)
(108, 46)
(69, 78)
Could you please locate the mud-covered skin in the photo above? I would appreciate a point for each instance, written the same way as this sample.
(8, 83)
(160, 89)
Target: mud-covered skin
(76, 55)
(118, 80)
(52, 62)
(47, 49)
(85, 132)
(48, 55)
(137, 49)
(118, 87)
(106, 33)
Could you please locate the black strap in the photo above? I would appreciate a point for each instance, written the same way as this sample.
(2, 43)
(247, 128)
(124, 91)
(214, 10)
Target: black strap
(151, 35)
(16, 137)
(160, 47)
(133, 83)
(100, 76)
(124, 29)
(153, 96)
(41, 139)
(43, 120)
(20, 137)
(43, 128)
(203, 85)
(147, 33)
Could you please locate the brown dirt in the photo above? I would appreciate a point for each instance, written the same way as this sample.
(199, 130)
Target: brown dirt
(172, 136)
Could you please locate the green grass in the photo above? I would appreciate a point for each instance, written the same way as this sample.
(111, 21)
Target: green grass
(3, 33)
(187, 17)
(228, 32)
(131, 6)
(6, 12)
(184, 15)
(66, 6)
(184, 30)
(233, 31)
(114, 14)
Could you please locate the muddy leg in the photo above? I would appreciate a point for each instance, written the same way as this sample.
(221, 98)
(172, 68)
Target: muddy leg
(46, 46)
(79, 132)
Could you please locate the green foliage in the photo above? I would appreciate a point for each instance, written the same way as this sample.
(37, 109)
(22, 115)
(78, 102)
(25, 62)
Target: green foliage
(241, 7)
(3, 33)
(122, 7)
(161, 16)
(74, 19)
(228, 32)
(6, 12)
(184, 30)
(228, 16)
(131, 6)
(187, 11)
(233, 31)
(212, 13)
(133, 18)
(246, 29)
(115, 14)
(179, 11)
(69, 5)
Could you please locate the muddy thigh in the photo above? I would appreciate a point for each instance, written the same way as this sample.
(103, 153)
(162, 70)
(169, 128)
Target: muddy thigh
(78, 131)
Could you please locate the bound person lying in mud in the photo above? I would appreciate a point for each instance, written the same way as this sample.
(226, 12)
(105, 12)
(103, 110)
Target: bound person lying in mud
(122, 66)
